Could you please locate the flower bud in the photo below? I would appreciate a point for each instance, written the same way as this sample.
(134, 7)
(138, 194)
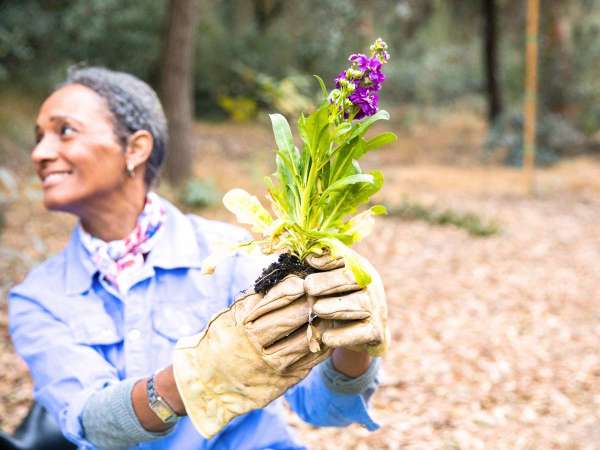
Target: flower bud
(379, 50)
(354, 74)
(334, 95)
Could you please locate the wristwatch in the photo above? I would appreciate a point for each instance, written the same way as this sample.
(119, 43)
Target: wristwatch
(157, 404)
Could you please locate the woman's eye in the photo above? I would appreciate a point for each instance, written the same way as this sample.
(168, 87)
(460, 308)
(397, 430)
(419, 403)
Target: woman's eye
(67, 130)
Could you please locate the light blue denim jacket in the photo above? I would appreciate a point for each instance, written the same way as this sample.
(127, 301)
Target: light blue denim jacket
(78, 335)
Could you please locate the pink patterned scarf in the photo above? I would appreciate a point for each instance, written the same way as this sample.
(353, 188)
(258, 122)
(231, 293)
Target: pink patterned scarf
(120, 261)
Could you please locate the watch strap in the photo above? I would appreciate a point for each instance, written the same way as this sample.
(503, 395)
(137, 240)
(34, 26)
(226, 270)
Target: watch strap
(157, 404)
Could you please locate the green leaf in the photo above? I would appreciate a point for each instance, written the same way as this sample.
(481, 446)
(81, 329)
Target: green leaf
(351, 259)
(352, 179)
(347, 201)
(342, 129)
(313, 128)
(361, 225)
(247, 209)
(289, 186)
(282, 132)
(343, 161)
(365, 124)
(379, 210)
(322, 84)
(379, 141)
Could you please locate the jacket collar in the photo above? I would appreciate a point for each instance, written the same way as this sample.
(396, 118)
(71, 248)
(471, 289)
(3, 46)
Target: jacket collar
(180, 245)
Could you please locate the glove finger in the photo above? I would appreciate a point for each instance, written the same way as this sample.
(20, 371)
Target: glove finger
(356, 305)
(285, 352)
(244, 305)
(277, 324)
(283, 293)
(309, 361)
(324, 262)
(357, 333)
(331, 282)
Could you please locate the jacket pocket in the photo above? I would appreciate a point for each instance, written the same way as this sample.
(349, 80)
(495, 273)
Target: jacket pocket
(175, 319)
(92, 325)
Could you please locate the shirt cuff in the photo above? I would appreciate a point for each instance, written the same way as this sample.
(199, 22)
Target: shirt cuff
(329, 398)
(110, 422)
(343, 384)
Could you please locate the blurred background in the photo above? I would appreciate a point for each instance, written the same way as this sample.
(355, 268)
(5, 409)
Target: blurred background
(492, 278)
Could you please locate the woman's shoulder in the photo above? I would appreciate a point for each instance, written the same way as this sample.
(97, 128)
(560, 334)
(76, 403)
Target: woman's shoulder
(43, 278)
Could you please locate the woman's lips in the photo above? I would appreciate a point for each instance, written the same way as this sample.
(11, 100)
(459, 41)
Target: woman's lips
(54, 178)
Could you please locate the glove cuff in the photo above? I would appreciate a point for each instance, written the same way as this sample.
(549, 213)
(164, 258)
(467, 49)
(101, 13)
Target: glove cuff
(220, 375)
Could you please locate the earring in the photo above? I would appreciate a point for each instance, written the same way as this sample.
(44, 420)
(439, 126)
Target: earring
(130, 169)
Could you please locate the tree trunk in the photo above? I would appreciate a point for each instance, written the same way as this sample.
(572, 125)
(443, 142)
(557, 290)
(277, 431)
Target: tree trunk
(556, 58)
(177, 87)
(265, 12)
(490, 58)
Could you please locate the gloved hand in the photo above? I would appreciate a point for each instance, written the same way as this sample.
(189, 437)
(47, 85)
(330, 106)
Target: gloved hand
(247, 356)
(358, 316)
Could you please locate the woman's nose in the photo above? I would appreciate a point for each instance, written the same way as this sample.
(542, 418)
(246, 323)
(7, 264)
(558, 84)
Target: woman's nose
(44, 150)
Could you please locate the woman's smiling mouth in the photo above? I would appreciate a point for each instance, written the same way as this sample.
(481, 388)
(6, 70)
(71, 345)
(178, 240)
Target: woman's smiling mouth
(54, 177)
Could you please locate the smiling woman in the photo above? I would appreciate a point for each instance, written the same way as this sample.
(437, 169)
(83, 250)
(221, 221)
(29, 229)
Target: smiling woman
(77, 154)
(86, 163)
(101, 323)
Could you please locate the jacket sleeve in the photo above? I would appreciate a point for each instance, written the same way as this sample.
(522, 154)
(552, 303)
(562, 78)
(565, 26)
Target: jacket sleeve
(65, 372)
(330, 399)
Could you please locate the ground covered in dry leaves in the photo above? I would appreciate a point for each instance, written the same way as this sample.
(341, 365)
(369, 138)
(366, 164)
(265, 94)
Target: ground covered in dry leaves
(495, 340)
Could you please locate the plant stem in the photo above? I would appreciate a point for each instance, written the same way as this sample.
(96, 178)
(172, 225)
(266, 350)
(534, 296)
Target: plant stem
(325, 224)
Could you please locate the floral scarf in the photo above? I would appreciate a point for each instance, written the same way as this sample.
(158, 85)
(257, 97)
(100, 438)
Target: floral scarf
(120, 261)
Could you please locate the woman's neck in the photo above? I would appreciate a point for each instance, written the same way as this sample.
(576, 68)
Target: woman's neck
(113, 218)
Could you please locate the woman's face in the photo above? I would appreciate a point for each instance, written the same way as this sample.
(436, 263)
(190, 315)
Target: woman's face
(77, 155)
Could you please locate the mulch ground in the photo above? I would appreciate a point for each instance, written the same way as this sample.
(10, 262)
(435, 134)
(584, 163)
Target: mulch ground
(495, 340)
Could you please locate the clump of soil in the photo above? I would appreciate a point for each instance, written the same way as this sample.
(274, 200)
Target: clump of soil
(285, 265)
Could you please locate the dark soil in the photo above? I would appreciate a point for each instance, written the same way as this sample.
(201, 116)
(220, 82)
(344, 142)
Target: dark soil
(285, 265)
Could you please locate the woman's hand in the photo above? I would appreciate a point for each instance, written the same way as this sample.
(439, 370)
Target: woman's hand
(248, 355)
(350, 363)
(166, 388)
(357, 317)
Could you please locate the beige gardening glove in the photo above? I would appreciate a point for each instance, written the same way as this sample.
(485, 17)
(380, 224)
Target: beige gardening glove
(247, 356)
(358, 316)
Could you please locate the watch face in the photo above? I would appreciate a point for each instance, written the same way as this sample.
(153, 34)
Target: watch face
(163, 412)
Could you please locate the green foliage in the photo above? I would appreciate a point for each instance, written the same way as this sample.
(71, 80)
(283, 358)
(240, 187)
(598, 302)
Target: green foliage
(585, 87)
(240, 109)
(316, 188)
(239, 57)
(555, 138)
(200, 193)
(291, 95)
(468, 221)
(40, 39)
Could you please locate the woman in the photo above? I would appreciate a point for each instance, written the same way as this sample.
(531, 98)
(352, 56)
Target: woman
(97, 323)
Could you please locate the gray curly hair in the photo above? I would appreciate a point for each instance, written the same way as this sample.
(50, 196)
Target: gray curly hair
(134, 106)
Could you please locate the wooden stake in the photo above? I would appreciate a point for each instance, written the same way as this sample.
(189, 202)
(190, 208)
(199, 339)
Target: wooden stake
(533, 14)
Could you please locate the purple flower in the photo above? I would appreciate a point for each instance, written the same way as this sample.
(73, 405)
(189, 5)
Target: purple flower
(357, 86)
(341, 76)
(360, 60)
(374, 65)
(366, 101)
(377, 78)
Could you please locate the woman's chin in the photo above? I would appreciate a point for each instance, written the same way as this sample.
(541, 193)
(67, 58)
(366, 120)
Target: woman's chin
(53, 202)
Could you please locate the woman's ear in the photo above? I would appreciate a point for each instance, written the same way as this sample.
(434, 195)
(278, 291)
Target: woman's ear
(139, 148)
